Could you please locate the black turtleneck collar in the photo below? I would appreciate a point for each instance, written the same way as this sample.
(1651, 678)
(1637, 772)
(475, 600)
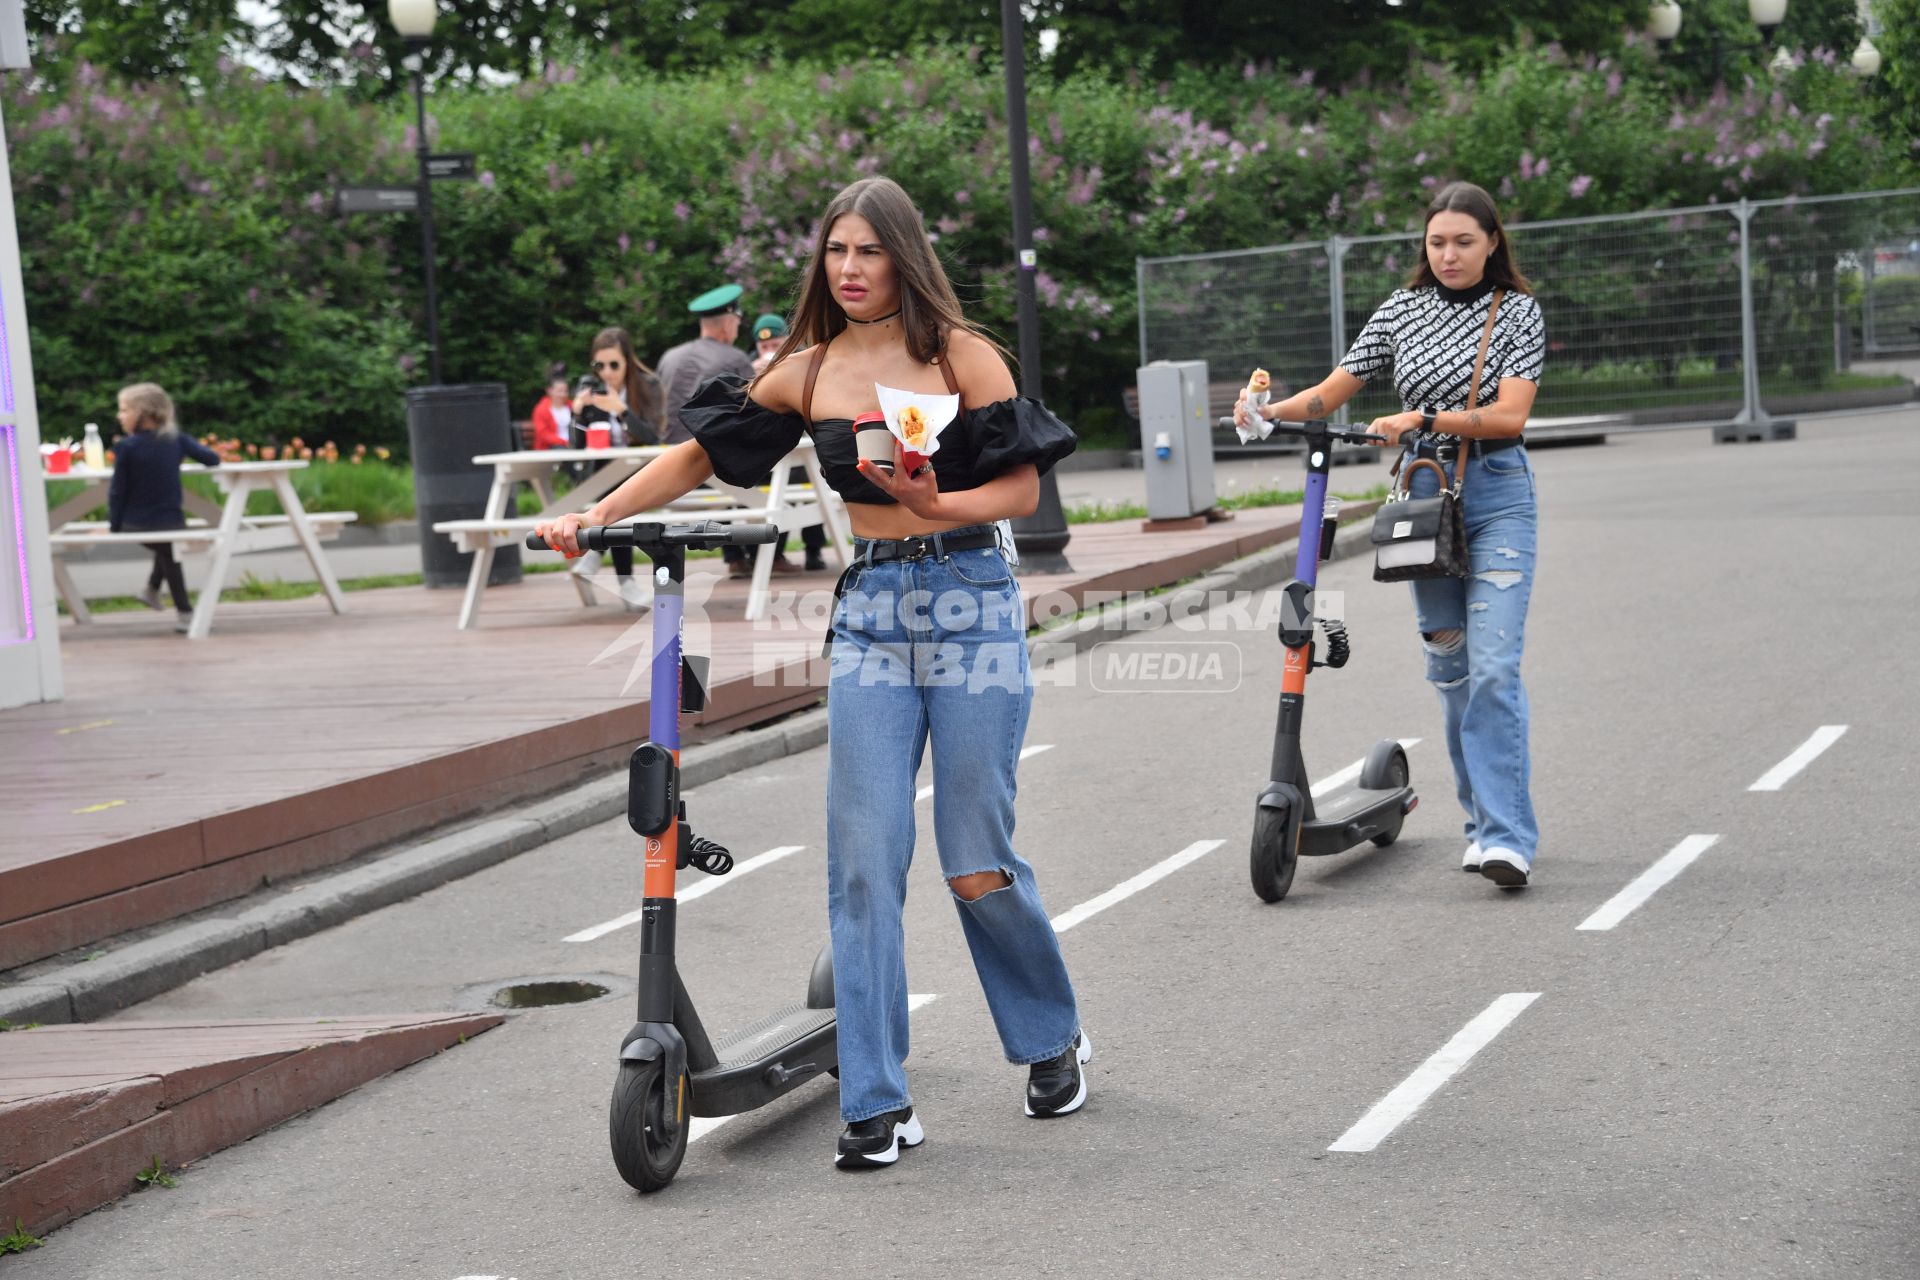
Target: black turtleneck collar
(1473, 293)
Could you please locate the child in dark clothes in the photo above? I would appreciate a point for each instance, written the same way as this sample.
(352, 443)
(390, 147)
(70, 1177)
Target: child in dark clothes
(145, 493)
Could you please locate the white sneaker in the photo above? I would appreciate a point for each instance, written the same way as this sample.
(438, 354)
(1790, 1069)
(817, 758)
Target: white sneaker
(151, 598)
(1505, 868)
(1471, 862)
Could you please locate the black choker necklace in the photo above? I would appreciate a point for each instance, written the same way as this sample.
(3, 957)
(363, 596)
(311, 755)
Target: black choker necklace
(877, 320)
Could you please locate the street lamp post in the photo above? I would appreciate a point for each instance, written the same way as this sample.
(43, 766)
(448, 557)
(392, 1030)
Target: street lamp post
(1042, 536)
(414, 19)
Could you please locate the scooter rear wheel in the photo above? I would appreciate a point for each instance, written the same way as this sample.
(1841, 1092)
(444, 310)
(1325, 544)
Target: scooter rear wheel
(644, 1109)
(1275, 852)
(1386, 770)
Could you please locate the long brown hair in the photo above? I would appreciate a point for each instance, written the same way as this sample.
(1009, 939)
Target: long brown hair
(929, 309)
(1465, 197)
(642, 385)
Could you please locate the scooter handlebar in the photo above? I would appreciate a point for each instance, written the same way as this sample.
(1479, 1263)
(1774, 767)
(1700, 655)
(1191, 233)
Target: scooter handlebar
(706, 535)
(1352, 435)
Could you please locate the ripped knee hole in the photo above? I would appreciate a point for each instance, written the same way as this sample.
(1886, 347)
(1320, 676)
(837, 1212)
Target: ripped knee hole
(978, 884)
(1443, 643)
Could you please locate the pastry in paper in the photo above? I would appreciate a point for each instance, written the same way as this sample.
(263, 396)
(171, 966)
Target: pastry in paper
(917, 419)
(1259, 392)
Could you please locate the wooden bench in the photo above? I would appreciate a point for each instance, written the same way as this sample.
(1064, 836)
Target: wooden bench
(325, 524)
(256, 533)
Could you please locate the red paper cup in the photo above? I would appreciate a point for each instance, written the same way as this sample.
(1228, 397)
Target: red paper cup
(599, 437)
(59, 462)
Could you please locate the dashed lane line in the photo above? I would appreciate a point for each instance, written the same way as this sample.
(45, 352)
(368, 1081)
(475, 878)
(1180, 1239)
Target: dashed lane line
(690, 893)
(1803, 755)
(1127, 888)
(1647, 883)
(1410, 1094)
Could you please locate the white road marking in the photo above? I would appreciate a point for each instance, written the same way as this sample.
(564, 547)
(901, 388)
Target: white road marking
(924, 792)
(1352, 771)
(1408, 1097)
(1803, 755)
(690, 893)
(704, 1125)
(1127, 888)
(1647, 883)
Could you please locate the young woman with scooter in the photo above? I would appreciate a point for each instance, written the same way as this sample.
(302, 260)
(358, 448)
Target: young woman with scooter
(876, 309)
(1429, 334)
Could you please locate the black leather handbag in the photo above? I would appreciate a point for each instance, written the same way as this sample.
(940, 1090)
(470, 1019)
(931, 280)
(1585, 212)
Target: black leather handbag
(1427, 537)
(1421, 537)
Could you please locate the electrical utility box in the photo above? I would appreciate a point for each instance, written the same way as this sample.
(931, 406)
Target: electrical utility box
(1176, 439)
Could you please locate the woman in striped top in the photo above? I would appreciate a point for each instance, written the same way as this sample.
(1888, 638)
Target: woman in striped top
(1428, 335)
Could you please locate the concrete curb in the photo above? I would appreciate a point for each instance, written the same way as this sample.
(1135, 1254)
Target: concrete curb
(124, 976)
(139, 971)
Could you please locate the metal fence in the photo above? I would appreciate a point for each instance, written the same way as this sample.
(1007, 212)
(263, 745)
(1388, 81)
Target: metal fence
(1710, 314)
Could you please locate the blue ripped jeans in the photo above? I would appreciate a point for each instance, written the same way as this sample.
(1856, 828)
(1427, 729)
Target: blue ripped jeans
(1478, 676)
(931, 649)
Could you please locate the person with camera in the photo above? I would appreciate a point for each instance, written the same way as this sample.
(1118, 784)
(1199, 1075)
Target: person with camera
(619, 391)
(624, 394)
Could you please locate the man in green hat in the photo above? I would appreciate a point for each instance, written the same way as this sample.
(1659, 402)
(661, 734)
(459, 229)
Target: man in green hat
(769, 331)
(686, 366)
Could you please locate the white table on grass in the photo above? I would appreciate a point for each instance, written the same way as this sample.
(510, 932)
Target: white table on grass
(223, 528)
(786, 505)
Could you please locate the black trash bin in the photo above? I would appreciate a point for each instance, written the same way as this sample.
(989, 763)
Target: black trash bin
(448, 428)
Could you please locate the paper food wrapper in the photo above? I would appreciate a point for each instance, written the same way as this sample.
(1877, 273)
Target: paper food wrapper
(917, 419)
(1261, 428)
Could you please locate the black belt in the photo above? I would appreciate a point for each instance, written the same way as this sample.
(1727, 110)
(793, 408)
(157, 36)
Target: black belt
(879, 550)
(1476, 448)
(930, 544)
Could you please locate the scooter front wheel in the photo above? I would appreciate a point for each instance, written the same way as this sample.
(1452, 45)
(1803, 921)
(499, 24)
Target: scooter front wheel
(646, 1109)
(1275, 852)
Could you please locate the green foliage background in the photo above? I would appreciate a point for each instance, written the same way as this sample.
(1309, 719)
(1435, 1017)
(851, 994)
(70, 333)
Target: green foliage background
(184, 232)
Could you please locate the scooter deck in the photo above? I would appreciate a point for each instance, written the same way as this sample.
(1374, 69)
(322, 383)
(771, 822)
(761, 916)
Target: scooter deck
(760, 1062)
(1349, 816)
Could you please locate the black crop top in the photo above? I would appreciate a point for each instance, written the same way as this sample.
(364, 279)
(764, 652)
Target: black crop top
(744, 440)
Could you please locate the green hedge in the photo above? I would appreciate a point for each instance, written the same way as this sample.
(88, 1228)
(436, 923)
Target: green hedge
(188, 237)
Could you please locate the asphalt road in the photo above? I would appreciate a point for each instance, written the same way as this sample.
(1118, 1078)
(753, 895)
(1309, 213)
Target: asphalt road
(1723, 1083)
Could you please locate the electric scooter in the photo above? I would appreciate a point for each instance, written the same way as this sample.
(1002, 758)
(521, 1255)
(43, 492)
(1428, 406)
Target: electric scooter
(670, 1070)
(1291, 822)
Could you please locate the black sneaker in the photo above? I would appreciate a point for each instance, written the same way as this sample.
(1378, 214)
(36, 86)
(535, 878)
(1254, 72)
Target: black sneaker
(816, 563)
(1058, 1087)
(876, 1143)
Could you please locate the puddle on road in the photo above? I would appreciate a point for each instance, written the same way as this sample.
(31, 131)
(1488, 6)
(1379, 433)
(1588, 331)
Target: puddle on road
(545, 995)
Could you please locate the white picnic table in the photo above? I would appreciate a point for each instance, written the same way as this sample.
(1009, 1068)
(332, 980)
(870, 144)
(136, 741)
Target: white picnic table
(785, 505)
(224, 528)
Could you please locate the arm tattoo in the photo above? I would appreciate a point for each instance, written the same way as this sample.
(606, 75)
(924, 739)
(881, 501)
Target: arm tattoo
(1316, 407)
(1473, 420)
